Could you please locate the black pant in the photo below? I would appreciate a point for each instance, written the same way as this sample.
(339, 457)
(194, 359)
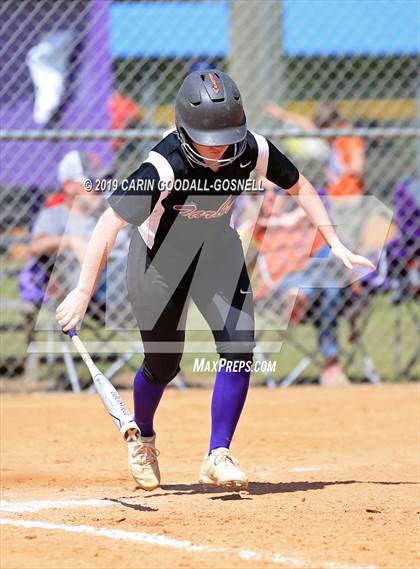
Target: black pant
(160, 289)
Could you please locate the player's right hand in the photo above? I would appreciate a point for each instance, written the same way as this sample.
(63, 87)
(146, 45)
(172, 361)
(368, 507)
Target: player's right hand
(78, 245)
(71, 311)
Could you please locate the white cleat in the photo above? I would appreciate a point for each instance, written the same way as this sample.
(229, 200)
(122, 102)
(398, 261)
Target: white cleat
(143, 463)
(221, 469)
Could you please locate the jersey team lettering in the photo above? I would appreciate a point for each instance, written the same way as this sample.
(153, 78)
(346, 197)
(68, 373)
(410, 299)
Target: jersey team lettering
(191, 211)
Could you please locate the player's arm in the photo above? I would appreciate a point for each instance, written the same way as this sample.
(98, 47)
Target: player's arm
(297, 119)
(71, 311)
(129, 204)
(307, 197)
(275, 166)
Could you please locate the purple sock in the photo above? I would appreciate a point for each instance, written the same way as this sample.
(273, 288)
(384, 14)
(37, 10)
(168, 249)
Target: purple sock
(229, 394)
(146, 400)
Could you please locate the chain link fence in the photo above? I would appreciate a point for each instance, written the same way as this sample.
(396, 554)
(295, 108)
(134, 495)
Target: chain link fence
(334, 84)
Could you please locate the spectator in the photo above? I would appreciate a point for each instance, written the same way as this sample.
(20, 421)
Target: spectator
(292, 262)
(345, 164)
(62, 228)
(124, 113)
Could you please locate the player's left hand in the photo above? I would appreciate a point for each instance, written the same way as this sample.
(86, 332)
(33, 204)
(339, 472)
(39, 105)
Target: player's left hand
(347, 257)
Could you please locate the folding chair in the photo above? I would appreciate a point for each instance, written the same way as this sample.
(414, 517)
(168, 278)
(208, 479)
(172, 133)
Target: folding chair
(274, 305)
(399, 278)
(33, 281)
(272, 311)
(398, 273)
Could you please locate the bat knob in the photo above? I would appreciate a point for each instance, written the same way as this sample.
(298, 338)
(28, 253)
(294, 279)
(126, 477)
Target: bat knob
(131, 434)
(71, 333)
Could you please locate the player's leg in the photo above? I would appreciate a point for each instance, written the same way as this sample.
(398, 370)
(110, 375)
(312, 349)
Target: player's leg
(235, 343)
(229, 312)
(158, 312)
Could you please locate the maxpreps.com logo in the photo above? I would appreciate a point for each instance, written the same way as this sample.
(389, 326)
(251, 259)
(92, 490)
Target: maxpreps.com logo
(191, 211)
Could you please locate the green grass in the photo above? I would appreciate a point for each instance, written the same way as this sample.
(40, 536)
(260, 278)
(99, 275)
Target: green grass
(382, 339)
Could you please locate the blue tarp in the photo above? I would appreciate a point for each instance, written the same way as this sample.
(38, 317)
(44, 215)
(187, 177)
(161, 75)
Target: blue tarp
(351, 27)
(310, 28)
(170, 29)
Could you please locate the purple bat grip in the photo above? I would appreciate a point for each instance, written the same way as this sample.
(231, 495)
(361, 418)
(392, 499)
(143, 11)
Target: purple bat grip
(71, 333)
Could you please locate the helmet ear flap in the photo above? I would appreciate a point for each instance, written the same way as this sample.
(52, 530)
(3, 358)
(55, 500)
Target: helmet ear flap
(183, 135)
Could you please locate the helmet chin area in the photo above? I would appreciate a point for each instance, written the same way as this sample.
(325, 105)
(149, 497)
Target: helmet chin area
(194, 157)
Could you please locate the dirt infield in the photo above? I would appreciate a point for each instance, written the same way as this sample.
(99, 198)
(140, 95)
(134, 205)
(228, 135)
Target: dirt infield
(334, 476)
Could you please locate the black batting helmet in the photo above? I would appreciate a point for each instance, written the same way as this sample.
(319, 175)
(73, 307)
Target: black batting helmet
(209, 111)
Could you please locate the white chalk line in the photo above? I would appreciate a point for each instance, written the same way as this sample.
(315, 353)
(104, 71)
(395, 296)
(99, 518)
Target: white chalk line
(148, 538)
(310, 468)
(36, 506)
(164, 541)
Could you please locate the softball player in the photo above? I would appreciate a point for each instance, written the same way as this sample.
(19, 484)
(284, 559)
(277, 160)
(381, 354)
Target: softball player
(185, 248)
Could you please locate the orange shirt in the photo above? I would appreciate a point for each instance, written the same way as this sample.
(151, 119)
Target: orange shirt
(285, 251)
(124, 112)
(342, 152)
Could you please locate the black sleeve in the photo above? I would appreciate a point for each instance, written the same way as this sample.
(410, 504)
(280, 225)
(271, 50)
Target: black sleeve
(274, 165)
(280, 170)
(137, 195)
